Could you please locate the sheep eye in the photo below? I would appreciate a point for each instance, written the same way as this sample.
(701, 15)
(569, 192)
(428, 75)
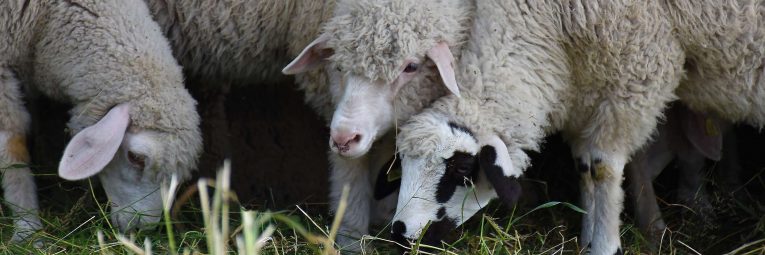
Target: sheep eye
(137, 159)
(411, 67)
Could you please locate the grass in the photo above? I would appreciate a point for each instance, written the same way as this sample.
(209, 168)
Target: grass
(211, 223)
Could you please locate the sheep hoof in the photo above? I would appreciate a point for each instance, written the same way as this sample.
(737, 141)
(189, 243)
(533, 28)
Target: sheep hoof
(23, 232)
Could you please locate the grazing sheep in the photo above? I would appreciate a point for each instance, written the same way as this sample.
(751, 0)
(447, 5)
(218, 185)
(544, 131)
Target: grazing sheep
(724, 44)
(372, 49)
(134, 124)
(385, 60)
(599, 71)
(691, 138)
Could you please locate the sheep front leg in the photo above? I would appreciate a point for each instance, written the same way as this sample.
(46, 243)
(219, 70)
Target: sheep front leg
(602, 198)
(355, 222)
(19, 187)
(641, 171)
(587, 196)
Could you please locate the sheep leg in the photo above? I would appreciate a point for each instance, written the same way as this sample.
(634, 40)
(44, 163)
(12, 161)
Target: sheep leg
(19, 187)
(355, 222)
(645, 166)
(691, 190)
(606, 172)
(586, 190)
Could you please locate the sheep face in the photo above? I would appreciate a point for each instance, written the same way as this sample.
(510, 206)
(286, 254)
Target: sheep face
(377, 47)
(131, 184)
(451, 175)
(132, 163)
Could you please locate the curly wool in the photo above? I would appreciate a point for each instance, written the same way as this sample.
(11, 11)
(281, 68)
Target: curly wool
(542, 68)
(725, 45)
(250, 41)
(373, 38)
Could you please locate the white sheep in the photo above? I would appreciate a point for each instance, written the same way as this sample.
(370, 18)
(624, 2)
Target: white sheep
(598, 71)
(363, 43)
(382, 58)
(135, 125)
(724, 44)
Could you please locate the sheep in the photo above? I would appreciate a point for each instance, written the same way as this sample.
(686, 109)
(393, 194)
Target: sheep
(367, 41)
(724, 45)
(134, 123)
(691, 138)
(600, 72)
(382, 58)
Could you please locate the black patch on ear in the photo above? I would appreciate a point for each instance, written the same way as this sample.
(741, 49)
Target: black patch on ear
(383, 187)
(441, 213)
(507, 187)
(460, 170)
(464, 129)
(619, 252)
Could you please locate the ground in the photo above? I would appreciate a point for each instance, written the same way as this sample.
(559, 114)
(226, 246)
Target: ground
(278, 151)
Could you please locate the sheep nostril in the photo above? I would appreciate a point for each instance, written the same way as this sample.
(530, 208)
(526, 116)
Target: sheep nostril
(344, 142)
(356, 139)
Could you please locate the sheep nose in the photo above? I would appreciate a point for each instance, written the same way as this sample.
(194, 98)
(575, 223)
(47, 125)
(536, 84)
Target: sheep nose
(397, 235)
(344, 141)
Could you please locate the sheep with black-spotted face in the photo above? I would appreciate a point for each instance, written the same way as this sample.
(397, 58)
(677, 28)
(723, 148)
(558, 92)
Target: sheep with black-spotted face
(449, 174)
(446, 184)
(533, 68)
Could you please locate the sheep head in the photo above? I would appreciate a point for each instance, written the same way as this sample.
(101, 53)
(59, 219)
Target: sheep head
(372, 49)
(449, 172)
(131, 162)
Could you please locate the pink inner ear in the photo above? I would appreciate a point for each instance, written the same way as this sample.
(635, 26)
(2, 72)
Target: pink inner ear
(310, 58)
(92, 148)
(704, 133)
(442, 56)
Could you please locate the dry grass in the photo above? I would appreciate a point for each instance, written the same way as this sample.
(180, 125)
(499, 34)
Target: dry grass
(209, 225)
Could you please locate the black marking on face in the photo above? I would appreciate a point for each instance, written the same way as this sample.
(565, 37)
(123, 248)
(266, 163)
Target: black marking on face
(384, 187)
(397, 231)
(460, 171)
(507, 187)
(437, 231)
(461, 128)
(619, 252)
(441, 213)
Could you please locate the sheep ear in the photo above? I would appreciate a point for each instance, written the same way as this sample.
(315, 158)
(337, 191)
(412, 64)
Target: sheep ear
(311, 57)
(92, 148)
(442, 56)
(704, 133)
(496, 164)
(388, 181)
